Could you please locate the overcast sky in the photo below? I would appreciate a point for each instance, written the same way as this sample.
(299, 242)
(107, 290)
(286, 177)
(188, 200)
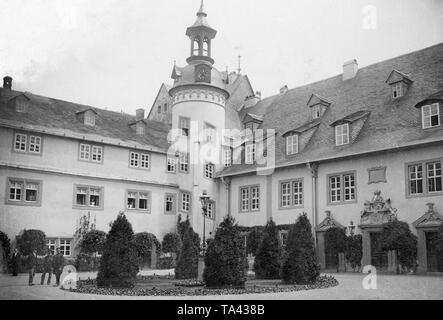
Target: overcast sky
(116, 53)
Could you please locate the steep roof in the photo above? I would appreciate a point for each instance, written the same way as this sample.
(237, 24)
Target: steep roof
(60, 117)
(392, 123)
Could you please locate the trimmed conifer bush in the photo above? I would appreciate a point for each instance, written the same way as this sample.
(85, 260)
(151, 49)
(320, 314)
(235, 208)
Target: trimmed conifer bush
(300, 263)
(187, 263)
(396, 235)
(171, 243)
(225, 260)
(267, 260)
(118, 267)
(335, 242)
(93, 242)
(6, 246)
(354, 250)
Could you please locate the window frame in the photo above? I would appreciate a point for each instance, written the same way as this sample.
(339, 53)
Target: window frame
(174, 203)
(430, 116)
(207, 171)
(249, 189)
(139, 154)
(57, 244)
(342, 188)
(399, 93)
(181, 195)
(294, 150)
(23, 201)
(425, 185)
(291, 205)
(227, 163)
(181, 163)
(186, 120)
(91, 147)
(214, 211)
(250, 155)
(137, 201)
(210, 128)
(88, 198)
(174, 159)
(27, 143)
(344, 125)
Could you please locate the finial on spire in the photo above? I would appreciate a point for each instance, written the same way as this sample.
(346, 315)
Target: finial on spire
(202, 11)
(239, 64)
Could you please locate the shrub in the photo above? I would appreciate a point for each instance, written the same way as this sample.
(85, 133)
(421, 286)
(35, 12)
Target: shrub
(335, 242)
(353, 251)
(166, 263)
(143, 243)
(6, 246)
(225, 260)
(267, 260)
(92, 242)
(182, 229)
(300, 264)
(253, 240)
(187, 262)
(396, 235)
(118, 267)
(171, 243)
(30, 241)
(85, 262)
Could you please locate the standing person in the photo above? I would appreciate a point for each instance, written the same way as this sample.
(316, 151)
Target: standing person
(57, 265)
(32, 263)
(47, 267)
(15, 260)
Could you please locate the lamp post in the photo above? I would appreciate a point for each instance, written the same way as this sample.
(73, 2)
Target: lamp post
(204, 199)
(351, 228)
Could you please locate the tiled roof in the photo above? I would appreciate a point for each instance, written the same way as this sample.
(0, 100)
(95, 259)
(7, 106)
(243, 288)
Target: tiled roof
(392, 123)
(60, 116)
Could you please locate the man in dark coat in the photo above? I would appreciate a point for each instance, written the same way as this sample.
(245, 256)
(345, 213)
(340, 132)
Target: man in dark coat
(15, 260)
(47, 267)
(32, 263)
(58, 262)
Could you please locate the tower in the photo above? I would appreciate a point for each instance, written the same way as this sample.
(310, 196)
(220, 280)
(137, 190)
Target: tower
(199, 98)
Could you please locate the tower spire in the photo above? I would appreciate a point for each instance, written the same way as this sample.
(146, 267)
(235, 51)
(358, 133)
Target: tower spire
(201, 11)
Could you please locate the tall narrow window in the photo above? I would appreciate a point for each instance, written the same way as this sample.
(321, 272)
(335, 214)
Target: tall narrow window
(15, 190)
(209, 133)
(397, 90)
(20, 142)
(434, 177)
(210, 213)
(131, 200)
(170, 164)
(209, 171)
(297, 193)
(416, 179)
(144, 160)
(292, 144)
(184, 162)
(431, 116)
(185, 202)
(50, 244)
(250, 153)
(227, 161)
(335, 189)
(349, 187)
(184, 125)
(316, 111)
(342, 134)
(170, 204)
(244, 201)
(206, 47)
(285, 194)
(196, 47)
(85, 151)
(255, 198)
(94, 197)
(143, 198)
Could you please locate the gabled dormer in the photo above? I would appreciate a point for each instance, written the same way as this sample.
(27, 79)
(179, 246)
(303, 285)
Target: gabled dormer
(347, 129)
(297, 139)
(318, 105)
(399, 83)
(139, 125)
(431, 110)
(251, 122)
(87, 117)
(20, 103)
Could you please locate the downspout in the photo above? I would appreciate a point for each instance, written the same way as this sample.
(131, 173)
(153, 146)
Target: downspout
(227, 182)
(313, 167)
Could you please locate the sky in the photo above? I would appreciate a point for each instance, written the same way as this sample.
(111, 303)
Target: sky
(115, 54)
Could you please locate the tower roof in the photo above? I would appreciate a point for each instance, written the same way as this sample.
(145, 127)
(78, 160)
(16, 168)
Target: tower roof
(201, 25)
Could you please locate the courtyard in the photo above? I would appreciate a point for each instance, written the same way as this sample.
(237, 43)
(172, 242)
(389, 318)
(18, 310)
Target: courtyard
(389, 287)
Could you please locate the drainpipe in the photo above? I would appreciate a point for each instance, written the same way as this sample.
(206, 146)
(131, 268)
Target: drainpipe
(227, 183)
(313, 167)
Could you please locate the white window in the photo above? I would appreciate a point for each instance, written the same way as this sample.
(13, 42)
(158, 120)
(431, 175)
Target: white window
(86, 196)
(170, 164)
(97, 154)
(316, 111)
(51, 245)
(31, 191)
(349, 187)
(291, 193)
(85, 151)
(285, 194)
(89, 118)
(184, 162)
(431, 116)
(170, 203)
(292, 144)
(416, 179)
(342, 188)
(184, 125)
(335, 189)
(15, 190)
(144, 160)
(65, 247)
(140, 129)
(35, 144)
(434, 177)
(250, 153)
(297, 193)
(185, 205)
(210, 133)
(227, 161)
(20, 142)
(255, 198)
(210, 212)
(425, 178)
(139, 160)
(23, 192)
(137, 200)
(342, 134)
(209, 170)
(244, 199)
(397, 90)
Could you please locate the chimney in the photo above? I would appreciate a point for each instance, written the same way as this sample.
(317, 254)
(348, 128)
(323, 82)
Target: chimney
(258, 94)
(139, 114)
(284, 89)
(7, 83)
(350, 70)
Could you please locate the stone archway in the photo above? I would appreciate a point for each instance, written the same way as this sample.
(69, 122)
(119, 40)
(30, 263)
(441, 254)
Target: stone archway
(320, 230)
(376, 212)
(427, 225)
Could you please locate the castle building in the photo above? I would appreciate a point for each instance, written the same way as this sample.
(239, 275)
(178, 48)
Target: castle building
(352, 151)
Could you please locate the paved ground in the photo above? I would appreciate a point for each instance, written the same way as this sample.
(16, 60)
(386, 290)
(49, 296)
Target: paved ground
(410, 287)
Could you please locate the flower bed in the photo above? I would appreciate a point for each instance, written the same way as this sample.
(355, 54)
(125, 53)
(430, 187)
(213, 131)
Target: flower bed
(89, 287)
(189, 283)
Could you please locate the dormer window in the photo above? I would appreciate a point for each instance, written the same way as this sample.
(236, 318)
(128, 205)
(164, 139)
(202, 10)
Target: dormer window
(397, 90)
(318, 105)
(342, 134)
(316, 111)
(140, 129)
(399, 83)
(250, 153)
(89, 118)
(431, 116)
(292, 144)
(21, 106)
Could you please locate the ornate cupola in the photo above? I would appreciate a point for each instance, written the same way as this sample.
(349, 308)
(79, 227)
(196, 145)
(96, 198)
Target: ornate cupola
(201, 35)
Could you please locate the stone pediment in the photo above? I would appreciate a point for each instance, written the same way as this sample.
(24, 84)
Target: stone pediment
(430, 219)
(328, 223)
(377, 211)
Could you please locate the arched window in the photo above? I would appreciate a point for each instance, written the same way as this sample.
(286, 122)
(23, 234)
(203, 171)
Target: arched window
(206, 47)
(196, 47)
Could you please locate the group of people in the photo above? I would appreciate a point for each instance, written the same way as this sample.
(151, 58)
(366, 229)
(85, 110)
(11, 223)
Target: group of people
(52, 264)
